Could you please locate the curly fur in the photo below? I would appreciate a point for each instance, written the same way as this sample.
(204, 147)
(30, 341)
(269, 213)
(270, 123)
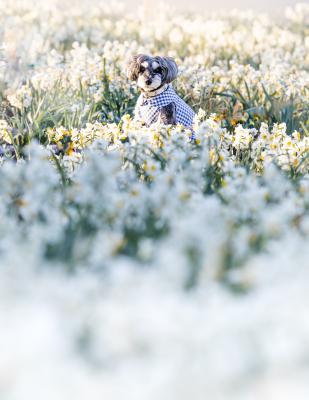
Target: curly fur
(168, 65)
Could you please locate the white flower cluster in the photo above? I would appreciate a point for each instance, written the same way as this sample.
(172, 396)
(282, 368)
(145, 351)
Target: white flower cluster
(52, 46)
(175, 274)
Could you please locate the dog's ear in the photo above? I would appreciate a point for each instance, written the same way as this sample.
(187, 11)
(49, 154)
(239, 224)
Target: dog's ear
(133, 67)
(169, 67)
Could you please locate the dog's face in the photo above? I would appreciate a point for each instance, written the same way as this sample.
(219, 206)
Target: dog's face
(151, 73)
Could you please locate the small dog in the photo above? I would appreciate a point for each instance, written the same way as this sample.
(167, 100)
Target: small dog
(158, 102)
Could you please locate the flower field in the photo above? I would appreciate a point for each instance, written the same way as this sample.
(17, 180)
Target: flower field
(142, 263)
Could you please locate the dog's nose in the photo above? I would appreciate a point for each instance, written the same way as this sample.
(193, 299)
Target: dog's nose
(148, 82)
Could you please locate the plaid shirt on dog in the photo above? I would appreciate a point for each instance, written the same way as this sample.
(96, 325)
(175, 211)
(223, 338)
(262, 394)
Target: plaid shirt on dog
(148, 108)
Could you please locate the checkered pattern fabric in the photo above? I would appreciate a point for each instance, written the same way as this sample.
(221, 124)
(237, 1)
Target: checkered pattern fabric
(148, 108)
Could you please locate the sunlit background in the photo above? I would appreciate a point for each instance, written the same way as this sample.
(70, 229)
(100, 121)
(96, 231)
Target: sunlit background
(276, 7)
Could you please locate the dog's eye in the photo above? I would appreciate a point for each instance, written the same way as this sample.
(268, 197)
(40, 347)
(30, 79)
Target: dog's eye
(158, 70)
(142, 69)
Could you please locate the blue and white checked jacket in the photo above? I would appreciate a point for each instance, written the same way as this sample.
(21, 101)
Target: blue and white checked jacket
(147, 108)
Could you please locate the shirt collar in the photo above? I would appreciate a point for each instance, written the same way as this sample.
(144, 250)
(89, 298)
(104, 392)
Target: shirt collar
(155, 93)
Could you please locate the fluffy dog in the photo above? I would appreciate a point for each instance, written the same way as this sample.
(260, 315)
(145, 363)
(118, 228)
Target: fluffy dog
(158, 102)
